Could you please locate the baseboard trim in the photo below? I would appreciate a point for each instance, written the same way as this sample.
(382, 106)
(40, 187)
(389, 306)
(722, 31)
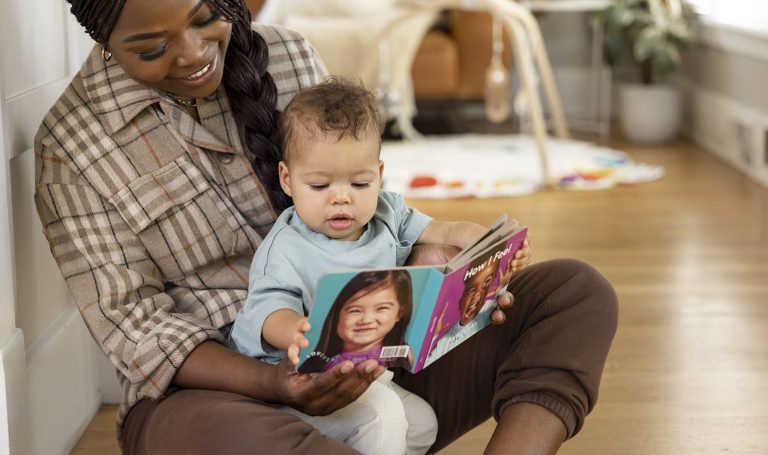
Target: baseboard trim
(62, 392)
(12, 391)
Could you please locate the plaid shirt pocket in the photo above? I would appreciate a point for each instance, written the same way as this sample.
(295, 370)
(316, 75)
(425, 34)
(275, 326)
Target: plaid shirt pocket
(178, 217)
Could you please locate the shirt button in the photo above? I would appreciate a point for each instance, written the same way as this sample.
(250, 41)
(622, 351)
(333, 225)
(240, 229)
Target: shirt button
(225, 158)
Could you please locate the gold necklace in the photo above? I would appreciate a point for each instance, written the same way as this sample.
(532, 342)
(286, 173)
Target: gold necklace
(186, 102)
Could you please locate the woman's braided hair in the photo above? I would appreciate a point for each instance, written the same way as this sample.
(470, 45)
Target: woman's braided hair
(251, 90)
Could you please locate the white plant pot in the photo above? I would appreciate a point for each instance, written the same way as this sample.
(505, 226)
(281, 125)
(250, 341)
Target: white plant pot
(649, 114)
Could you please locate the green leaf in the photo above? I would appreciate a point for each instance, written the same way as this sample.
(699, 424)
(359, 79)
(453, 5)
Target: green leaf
(614, 47)
(649, 41)
(655, 37)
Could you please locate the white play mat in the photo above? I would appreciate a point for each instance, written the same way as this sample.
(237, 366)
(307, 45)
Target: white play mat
(487, 166)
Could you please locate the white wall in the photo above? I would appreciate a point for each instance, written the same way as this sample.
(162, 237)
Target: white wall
(51, 377)
(11, 341)
(568, 37)
(724, 84)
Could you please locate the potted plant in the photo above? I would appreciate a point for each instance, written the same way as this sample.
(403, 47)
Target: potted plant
(652, 35)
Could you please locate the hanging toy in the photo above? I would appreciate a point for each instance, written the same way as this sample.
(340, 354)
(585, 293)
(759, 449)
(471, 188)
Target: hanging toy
(497, 80)
(522, 102)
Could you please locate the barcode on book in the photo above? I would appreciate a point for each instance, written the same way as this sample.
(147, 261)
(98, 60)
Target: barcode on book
(391, 352)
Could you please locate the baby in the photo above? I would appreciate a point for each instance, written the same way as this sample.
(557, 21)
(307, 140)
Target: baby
(341, 219)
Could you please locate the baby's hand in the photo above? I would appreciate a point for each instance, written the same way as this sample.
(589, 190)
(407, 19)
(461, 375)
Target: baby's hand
(299, 341)
(519, 262)
(522, 257)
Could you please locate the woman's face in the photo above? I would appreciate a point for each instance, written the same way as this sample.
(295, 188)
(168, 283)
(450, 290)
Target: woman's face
(177, 46)
(366, 320)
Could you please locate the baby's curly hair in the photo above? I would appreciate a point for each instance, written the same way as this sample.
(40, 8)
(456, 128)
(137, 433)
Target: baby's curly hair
(335, 107)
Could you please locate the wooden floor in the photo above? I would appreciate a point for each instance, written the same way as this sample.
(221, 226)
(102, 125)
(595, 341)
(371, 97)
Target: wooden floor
(688, 256)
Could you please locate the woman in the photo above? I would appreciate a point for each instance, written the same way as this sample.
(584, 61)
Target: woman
(155, 182)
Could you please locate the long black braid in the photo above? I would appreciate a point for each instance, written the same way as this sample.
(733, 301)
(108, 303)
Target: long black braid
(251, 90)
(97, 17)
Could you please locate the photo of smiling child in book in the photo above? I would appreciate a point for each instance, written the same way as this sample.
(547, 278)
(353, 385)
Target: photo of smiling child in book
(370, 313)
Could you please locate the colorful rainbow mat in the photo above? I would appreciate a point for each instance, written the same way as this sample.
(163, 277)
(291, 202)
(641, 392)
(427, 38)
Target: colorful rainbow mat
(441, 167)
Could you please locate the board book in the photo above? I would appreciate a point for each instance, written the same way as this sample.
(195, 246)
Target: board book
(410, 316)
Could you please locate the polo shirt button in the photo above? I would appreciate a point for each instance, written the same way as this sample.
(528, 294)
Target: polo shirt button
(225, 158)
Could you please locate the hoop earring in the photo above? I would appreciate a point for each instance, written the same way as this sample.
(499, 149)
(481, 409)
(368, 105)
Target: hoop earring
(105, 54)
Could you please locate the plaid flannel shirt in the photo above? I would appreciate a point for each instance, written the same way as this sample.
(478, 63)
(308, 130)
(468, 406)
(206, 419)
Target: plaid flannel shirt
(152, 217)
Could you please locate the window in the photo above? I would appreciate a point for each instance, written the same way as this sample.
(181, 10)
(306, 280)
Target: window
(745, 15)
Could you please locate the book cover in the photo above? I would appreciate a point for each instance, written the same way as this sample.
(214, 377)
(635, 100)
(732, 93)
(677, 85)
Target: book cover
(408, 317)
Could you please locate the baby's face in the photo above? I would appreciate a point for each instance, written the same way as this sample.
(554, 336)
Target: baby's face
(335, 185)
(365, 321)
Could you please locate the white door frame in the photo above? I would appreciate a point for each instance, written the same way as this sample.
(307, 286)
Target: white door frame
(49, 373)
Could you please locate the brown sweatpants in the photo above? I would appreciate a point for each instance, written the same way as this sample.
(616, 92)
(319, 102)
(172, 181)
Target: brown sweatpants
(551, 351)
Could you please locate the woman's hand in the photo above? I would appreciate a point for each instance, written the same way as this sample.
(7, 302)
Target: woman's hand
(216, 367)
(504, 301)
(324, 393)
